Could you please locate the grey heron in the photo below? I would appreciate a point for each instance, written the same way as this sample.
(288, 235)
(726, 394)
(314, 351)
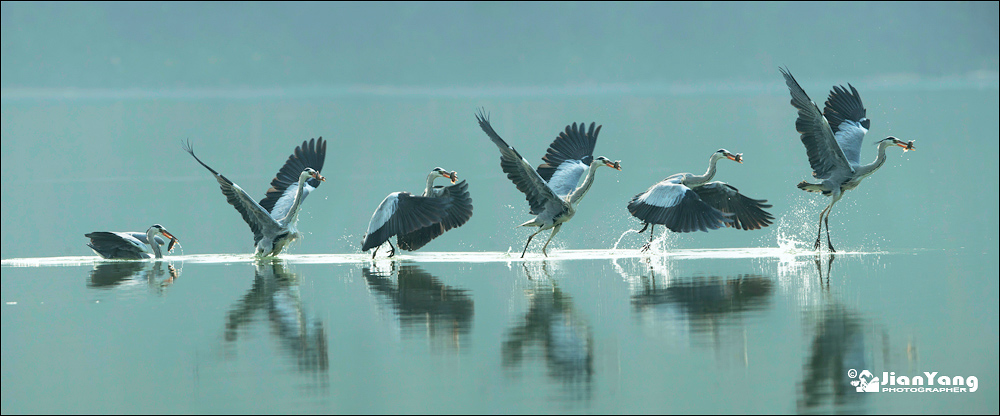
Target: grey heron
(131, 245)
(416, 220)
(833, 143)
(686, 202)
(273, 220)
(551, 191)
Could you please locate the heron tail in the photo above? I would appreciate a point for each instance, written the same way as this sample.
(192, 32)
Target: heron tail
(812, 187)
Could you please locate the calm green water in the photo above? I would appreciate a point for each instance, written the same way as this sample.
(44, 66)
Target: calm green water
(97, 99)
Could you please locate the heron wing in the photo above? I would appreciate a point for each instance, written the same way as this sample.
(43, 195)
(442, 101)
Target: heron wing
(142, 237)
(568, 157)
(255, 216)
(311, 154)
(457, 214)
(846, 115)
(677, 207)
(825, 154)
(748, 213)
(112, 245)
(401, 213)
(519, 170)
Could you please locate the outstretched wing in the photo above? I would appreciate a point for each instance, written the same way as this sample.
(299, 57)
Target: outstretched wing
(568, 157)
(677, 207)
(748, 213)
(311, 154)
(825, 154)
(846, 115)
(254, 215)
(111, 245)
(401, 213)
(457, 214)
(518, 170)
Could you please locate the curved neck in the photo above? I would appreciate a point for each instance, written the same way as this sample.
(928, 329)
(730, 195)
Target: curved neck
(430, 183)
(293, 211)
(709, 174)
(151, 238)
(870, 168)
(577, 195)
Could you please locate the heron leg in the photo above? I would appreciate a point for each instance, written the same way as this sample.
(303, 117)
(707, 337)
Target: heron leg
(829, 244)
(529, 242)
(375, 251)
(554, 231)
(392, 250)
(646, 246)
(644, 226)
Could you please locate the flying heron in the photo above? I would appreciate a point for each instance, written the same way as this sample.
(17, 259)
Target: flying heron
(551, 191)
(833, 143)
(273, 219)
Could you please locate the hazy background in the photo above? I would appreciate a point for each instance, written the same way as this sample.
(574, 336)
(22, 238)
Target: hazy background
(97, 98)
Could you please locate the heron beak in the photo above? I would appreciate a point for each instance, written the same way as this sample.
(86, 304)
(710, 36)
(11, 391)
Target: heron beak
(907, 146)
(738, 158)
(616, 165)
(318, 176)
(453, 176)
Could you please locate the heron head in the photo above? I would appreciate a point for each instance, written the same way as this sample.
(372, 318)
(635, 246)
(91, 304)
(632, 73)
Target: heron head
(311, 173)
(158, 229)
(890, 141)
(607, 162)
(453, 176)
(723, 153)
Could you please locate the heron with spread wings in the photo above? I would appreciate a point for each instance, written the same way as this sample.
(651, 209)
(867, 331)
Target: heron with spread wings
(552, 190)
(273, 219)
(833, 143)
(686, 202)
(415, 220)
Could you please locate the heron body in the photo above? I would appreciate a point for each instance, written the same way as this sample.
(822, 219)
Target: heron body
(416, 220)
(833, 140)
(551, 190)
(686, 202)
(130, 245)
(273, 219)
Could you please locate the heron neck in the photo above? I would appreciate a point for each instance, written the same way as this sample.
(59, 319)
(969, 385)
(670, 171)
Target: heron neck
(294, 210)
(151, 238)
(430, 183)
(870, 168)
(698, 180)
(578, 194)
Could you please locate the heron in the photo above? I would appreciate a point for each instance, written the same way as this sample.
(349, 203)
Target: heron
(416, 220)
(131, 245)
(686, 202)
(833, 143)
(273, 220)
(551, 190)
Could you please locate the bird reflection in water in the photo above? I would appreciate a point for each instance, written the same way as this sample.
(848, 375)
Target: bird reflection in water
(275, 297)
(423, 304)
(709, 308)
(838, 345)
(156, 275)
(552, 324)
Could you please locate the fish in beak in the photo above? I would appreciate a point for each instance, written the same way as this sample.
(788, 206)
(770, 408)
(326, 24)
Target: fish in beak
(318, 176)
(617, 164)
(173, 240)
(738, 158)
